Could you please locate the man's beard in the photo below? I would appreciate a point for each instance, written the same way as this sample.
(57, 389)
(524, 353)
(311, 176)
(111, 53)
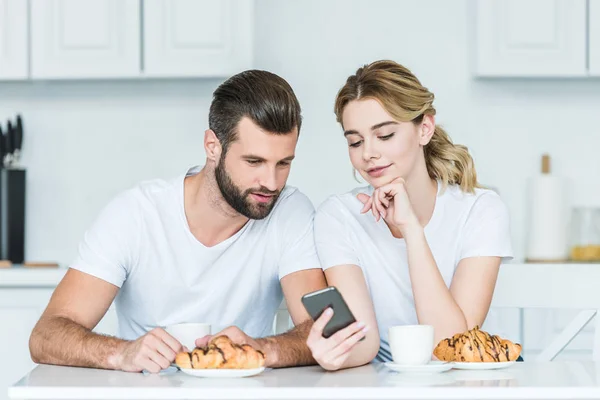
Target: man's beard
(240, 201)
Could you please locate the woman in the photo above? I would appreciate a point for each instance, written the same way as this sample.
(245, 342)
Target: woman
(422, 243)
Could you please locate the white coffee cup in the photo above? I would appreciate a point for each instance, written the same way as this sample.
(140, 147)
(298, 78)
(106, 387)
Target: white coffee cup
(187, 333)
(411, 344)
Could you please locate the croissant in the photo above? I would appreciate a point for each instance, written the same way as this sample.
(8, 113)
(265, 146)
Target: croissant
(221, 353)
(477, 346)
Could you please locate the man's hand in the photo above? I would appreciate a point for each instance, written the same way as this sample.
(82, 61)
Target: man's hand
(234, 333)
(152, 352)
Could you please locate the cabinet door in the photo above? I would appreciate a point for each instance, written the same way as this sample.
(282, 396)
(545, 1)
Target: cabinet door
(85, 39)
(594, 37)
(13, 39)
(530, 38)
(197, 38)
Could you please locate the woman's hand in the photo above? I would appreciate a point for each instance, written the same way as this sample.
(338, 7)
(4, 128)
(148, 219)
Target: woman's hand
(332, 352)
(391, 203)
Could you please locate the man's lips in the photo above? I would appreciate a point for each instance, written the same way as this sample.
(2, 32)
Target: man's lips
(262, 198)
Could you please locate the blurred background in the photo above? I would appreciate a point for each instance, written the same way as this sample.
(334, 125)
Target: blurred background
(112, 92)
(104, 108)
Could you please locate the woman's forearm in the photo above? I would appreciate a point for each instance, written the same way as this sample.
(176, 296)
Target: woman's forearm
(433, 301)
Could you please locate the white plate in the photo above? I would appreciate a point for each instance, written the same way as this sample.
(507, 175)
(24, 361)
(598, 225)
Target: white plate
(482, 365)
(222, 373)
(430, 368)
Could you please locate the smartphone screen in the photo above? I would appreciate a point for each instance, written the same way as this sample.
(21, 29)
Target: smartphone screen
(317, 302)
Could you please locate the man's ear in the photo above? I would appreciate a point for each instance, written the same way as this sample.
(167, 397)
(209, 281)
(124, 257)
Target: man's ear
(212, 146)
(426, 129)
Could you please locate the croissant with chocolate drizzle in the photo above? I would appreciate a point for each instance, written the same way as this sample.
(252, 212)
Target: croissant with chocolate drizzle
(221, 353)
(477, 346)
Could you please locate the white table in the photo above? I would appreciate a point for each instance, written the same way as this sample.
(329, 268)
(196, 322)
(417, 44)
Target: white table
(528, 380)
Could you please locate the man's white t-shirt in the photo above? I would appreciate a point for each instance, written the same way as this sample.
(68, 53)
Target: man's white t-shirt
(141, 242)
(462, 225)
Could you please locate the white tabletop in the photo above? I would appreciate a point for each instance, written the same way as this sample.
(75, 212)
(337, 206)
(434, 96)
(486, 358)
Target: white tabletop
(528, 380)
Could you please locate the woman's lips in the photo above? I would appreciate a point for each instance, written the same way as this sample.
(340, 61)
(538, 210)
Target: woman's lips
(377, 171)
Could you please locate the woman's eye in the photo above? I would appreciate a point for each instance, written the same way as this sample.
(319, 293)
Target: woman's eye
(355, 144)
(253, 162)
(386, 137)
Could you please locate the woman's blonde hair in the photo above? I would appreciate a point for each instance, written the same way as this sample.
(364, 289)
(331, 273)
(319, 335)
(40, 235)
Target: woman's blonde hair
(405, 99)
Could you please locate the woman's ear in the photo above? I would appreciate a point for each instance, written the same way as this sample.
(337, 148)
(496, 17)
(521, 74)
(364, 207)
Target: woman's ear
(212, 145)
(426, 129)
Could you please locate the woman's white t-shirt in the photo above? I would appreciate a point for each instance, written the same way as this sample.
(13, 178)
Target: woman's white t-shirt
(462, 225)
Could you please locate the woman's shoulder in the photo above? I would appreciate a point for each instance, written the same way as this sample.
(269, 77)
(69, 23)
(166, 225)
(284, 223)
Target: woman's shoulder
(480, 194)
(484, 201)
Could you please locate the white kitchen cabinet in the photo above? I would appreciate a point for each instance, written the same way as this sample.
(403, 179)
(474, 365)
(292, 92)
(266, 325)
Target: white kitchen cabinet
(594, 37)
(20, 309)
(197, 38)
(79, 39)
(13, 40)
(540, 38)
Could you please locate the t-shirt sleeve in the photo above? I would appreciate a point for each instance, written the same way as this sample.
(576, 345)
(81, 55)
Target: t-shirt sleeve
(332, 236)
(110, 245)
(298, 241)
(486, 232)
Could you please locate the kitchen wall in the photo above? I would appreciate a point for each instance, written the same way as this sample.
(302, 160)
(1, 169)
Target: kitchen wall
(86, 141)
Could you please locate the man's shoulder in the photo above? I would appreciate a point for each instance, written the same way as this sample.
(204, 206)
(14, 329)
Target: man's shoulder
(292, 198)
(292, 207)
(150, 191)
(345, 202)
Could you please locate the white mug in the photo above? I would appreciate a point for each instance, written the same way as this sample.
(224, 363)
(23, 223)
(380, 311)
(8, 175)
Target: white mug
(187, 333)
(411, 344)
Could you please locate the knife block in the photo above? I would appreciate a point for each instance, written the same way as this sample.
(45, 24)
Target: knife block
(12, 215)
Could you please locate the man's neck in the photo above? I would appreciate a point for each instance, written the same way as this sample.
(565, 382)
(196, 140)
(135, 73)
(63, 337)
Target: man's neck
(210, 218)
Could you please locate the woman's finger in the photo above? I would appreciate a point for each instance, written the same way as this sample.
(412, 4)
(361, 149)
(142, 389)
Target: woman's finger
(380, 207)
(367, 205)
(347, 345)
(374, 209)
(384, 199)
(316, 331)
(345, 333)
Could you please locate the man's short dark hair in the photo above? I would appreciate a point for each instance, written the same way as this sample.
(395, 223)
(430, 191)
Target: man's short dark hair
(267, 99)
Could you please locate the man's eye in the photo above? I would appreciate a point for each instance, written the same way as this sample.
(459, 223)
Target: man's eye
(253, 162)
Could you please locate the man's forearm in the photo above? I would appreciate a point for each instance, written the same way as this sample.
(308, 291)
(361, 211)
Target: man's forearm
(288, 349)
(60, 341)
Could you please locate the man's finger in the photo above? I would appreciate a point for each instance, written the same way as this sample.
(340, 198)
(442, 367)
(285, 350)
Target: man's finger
(168, 340)
(203, 341)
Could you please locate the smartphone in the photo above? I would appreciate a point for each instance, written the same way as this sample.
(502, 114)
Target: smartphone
(317, 302)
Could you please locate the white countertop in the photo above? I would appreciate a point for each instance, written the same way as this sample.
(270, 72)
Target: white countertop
(19, 277)
(527, 380)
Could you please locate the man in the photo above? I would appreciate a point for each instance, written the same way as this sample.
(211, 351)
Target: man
(220, 244)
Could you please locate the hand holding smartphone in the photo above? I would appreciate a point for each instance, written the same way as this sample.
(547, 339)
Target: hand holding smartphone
(317, 302)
